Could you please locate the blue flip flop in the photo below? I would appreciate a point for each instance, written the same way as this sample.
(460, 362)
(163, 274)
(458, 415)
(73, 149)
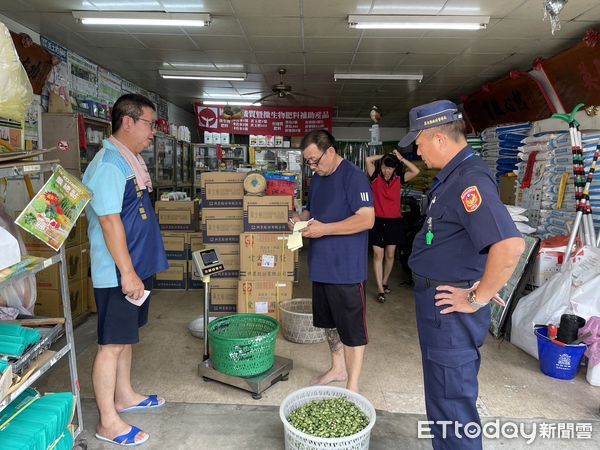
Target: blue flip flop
(125, 440)
(152, 401)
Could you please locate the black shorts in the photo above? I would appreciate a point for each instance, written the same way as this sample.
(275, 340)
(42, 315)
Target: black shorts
(119, 321)
(387, 232)
(341, 306)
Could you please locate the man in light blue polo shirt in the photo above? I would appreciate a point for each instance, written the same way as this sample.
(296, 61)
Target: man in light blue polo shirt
(126, 252)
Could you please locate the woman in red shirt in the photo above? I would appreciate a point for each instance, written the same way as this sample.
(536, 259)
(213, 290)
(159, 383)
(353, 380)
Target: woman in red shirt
(388, 230)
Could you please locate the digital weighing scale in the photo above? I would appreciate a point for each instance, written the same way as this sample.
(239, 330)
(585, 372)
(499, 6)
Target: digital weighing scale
(207, 262)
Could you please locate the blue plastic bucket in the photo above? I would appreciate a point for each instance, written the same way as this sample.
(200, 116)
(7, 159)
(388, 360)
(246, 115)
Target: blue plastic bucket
(557, 361)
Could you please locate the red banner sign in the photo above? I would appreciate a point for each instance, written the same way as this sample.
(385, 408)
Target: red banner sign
(575, 73)
(517, 98)
(262, 121)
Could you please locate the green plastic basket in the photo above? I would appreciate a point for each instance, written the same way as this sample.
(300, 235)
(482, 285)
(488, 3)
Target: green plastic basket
(243, 345)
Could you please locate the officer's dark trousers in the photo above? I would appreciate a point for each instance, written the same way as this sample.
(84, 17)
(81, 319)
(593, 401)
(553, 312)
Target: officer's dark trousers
(450, 352)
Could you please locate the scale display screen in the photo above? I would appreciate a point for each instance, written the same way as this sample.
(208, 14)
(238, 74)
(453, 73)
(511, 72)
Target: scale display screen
(209, 257)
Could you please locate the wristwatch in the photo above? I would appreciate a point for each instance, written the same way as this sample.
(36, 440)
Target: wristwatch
(472, 299)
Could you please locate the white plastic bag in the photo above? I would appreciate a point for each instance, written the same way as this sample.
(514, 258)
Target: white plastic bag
(543, 306)
(576, 290)
(16, 92)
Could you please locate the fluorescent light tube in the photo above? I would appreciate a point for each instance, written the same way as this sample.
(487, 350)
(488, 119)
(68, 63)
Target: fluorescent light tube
(398, 22)
(202, 75)
(142, 18)
(378, 76)
(217, 102)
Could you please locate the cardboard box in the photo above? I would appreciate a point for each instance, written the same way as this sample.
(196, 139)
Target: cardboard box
(175, 277)
(175, 244)
(222, 225)
(507, 187)
(265, 256)
(49, 302)
(194, 282)
(50, 278)
(269, 214)
(194, 242)
(178, 216)
(223, 295)
(263, 297)
(222, 189)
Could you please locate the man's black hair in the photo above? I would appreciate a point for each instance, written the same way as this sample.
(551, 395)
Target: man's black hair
(129, 105)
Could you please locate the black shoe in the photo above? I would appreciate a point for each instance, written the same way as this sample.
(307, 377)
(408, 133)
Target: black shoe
(386, 289)
(381, 297)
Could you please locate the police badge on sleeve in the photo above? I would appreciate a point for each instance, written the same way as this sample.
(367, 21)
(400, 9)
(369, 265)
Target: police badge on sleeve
(471, 199)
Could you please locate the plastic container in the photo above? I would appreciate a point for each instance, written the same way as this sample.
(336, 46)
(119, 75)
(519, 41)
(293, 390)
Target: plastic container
(297, 322)
(593, 375)
(243, 345)
(297, 440)
(557, 361)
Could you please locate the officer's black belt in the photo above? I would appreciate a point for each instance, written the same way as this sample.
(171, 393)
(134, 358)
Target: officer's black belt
(431, 283)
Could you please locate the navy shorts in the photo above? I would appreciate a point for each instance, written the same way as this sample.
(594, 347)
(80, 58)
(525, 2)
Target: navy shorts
(387, 232)
(341, 306)
(119, 321)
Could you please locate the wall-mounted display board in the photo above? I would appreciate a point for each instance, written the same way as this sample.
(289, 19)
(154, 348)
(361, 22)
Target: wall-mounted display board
(263, 121)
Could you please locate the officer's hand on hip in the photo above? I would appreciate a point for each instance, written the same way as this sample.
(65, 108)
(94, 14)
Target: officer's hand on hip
(458, 299)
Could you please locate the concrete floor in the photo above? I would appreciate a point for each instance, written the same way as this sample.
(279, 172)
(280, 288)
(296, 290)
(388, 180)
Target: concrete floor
(202, 415)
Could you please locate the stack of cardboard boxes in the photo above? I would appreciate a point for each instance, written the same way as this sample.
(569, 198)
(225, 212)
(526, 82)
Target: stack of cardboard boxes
(77, 255)
(179, 224)
(222, 195)
(267, 267)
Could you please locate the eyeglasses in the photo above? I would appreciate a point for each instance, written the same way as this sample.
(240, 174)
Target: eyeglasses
(149, 122)
(315, 163)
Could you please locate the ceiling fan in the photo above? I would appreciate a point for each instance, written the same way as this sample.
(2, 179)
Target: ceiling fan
(281, 90)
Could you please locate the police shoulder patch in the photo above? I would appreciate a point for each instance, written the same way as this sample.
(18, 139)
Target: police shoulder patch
(471, 199)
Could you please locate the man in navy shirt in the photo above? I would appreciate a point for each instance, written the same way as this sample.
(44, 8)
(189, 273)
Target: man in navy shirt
(126, 252)
(466, 251)
(340, 204)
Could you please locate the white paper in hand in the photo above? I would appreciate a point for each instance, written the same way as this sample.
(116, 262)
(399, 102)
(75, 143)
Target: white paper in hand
(140, 301)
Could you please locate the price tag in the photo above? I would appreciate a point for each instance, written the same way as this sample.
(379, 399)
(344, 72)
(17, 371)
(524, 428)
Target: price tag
(268, 261)
(262, 307)
(34, 168)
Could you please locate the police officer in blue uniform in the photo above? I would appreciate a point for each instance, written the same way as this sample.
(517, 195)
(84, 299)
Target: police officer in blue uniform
(466, 251)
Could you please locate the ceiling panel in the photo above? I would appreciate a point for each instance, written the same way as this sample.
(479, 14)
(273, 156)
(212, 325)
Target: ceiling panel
(381, 59)
(256, 26)
(279, 58)
(327, 26)
(312, 40)
(399, 45)
(112, 40)
(265, 8)
(333, 45)
(167, 41)
(450, 46)
(494, 8)
(275, 44)
(226, 43)
(328, 58)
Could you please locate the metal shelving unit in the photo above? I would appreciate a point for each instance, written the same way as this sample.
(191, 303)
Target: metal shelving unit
(25, 168)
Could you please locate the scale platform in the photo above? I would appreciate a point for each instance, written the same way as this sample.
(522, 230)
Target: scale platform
(256, 384)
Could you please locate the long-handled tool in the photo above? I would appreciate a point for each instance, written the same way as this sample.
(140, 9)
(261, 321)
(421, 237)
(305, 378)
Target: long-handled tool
(582, 203)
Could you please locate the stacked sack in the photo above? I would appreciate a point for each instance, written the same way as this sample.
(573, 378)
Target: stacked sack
(546, 161)
(500, 149)
(517, 214)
